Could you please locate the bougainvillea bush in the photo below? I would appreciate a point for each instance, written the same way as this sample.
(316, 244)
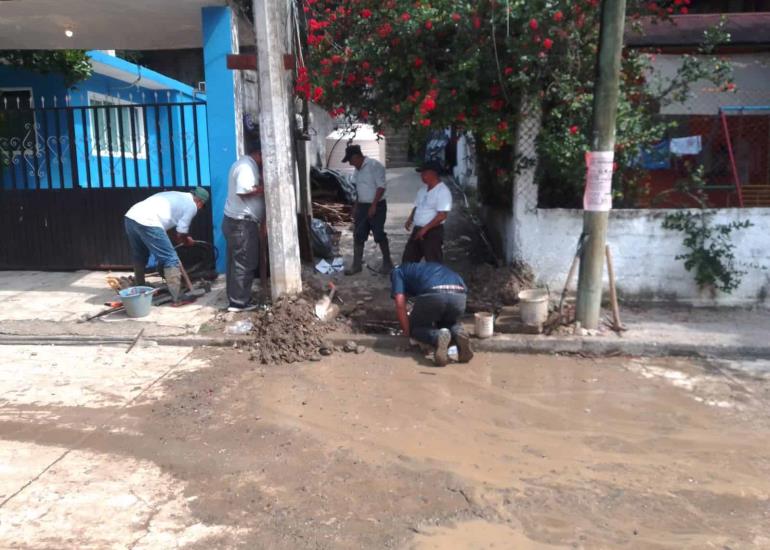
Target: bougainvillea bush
(451, 63)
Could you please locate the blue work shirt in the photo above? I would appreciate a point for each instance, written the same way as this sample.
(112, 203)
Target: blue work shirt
(415, 279)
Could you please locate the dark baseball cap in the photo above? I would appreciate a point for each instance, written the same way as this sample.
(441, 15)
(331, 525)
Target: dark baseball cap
(350, 151)
(433, 165)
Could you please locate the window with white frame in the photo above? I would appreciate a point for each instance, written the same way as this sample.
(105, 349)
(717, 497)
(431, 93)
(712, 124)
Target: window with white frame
(116, 122)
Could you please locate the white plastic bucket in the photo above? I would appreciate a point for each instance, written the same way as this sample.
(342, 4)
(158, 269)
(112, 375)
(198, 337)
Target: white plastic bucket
(485, 324)
(533, 305)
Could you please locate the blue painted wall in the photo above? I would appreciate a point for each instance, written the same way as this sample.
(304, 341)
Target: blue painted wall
(220, 89)
(56, 171)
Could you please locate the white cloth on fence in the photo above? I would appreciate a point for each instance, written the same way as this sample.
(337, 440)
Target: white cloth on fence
(690, 145)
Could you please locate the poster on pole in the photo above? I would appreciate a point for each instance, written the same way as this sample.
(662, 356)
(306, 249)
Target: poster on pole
(598, 192)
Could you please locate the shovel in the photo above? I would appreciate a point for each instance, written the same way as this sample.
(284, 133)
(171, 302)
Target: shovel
(324, 309)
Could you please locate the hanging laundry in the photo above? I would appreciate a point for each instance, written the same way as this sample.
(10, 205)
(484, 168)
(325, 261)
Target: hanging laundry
(655, 157)
(686, 146)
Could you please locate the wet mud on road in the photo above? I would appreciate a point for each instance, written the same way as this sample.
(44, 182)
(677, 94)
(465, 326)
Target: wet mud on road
(382, 451)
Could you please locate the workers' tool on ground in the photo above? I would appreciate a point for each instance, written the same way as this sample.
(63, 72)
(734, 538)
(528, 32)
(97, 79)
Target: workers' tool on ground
(100, 314)
(185, 277)
(113, 304)
(324, 309)
(617, 326)
(571, 274)
(133, 343)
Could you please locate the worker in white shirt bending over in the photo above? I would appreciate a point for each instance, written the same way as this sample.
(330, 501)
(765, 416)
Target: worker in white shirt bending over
(146, 225)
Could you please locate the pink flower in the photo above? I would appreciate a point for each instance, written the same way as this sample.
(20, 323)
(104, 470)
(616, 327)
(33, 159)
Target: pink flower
(417, 63)
(366, 13)
(429, 24)
(318, 93)
(574, 130)
(405, 17)
(547, 43)
(456, 17)
(425, 122)
(558, 16)
(533, 24)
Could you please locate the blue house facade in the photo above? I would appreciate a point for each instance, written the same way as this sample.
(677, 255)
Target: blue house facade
(109, 141)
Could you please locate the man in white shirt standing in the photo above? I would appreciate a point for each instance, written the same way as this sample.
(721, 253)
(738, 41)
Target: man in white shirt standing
(146, 224)
(426, 222)
(243, 224)
(370, 209)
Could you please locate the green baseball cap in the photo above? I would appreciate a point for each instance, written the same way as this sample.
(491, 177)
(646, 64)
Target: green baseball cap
(201, 193)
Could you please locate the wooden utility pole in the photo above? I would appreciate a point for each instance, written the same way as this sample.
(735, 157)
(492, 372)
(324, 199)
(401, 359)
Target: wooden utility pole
(597, 199)
(270, 21)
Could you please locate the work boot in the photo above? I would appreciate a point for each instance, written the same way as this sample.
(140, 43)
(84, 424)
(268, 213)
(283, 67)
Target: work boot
(173, 277)
(464, 349)
(441, 356)
(387, 264)
(139, 274)
(358, 259)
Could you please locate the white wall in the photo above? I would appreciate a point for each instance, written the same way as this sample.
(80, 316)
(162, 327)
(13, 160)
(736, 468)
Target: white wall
(643, 253)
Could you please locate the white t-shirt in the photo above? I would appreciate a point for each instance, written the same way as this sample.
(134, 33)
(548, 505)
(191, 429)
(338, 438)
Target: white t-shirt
(165, 210)
(243, 178)
(430, 202)
(370, 177)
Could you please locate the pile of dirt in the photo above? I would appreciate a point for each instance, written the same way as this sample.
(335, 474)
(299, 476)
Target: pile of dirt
(490, 288)
(289, 332)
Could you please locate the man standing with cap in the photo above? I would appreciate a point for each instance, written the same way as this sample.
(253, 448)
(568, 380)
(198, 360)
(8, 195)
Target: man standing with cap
(426, 222)
(146, 224)
(370, 209)
(243, 223)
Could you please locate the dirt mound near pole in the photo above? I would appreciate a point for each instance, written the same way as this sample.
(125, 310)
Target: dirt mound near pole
(289, 332)
(490, 288)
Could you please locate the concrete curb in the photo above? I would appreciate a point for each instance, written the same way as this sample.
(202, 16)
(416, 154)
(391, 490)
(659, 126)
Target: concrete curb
(527, 344)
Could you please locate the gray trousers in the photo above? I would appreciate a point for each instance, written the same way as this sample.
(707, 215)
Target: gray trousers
(242, 238)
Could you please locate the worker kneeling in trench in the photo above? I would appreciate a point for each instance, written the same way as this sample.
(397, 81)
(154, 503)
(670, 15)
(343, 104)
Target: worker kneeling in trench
(439, 304)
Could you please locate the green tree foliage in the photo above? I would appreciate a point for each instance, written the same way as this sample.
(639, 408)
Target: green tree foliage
(73, 65)
(467, 64)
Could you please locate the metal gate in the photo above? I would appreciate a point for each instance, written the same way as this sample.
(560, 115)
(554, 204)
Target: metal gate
(69, 173)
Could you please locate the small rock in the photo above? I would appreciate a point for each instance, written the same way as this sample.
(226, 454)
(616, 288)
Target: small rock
(350, 346)
(315, 357)
(360, 349)
(326, 351)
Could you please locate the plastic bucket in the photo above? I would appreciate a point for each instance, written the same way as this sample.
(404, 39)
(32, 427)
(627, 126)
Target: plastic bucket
(533, 305)
(137, 300)
(485, 324)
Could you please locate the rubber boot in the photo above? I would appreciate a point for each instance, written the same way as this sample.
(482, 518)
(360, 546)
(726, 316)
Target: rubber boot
(387, 263)
(173, 277)
(139, 274)
(464, 348)
(358, 259)
(441, 356)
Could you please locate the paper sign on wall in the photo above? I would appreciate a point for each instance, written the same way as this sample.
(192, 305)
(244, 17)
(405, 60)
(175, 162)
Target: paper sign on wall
(598, 192)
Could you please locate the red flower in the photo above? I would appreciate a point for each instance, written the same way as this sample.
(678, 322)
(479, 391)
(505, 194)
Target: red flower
(417, 63)
(461, 117)
(337, 59)
(336, 83)
(369, 81)
(730, 86)
(405, 17)
(425, 122)
(364, 114)
(326, 61)
(684, 10)
(429, 24)
(533, 24)
(433, 93)
(456, 17)
(558, 16)
(574, 130)
(384, 30)
(503, 126)
(366, 13)
(365, 65)
(318, 94)
(497, 104)
(428, 104)
(476, 22)
(547, 43)
(508, 71)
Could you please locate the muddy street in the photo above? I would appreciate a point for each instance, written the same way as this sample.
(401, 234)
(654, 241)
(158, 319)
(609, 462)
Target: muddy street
(382, 451)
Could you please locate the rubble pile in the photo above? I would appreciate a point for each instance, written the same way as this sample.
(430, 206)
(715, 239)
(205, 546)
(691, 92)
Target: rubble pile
(289, 332)
(490, 288)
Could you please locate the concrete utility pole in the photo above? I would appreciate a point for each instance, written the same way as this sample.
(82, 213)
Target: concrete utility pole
(270, 20)
(597, 200)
